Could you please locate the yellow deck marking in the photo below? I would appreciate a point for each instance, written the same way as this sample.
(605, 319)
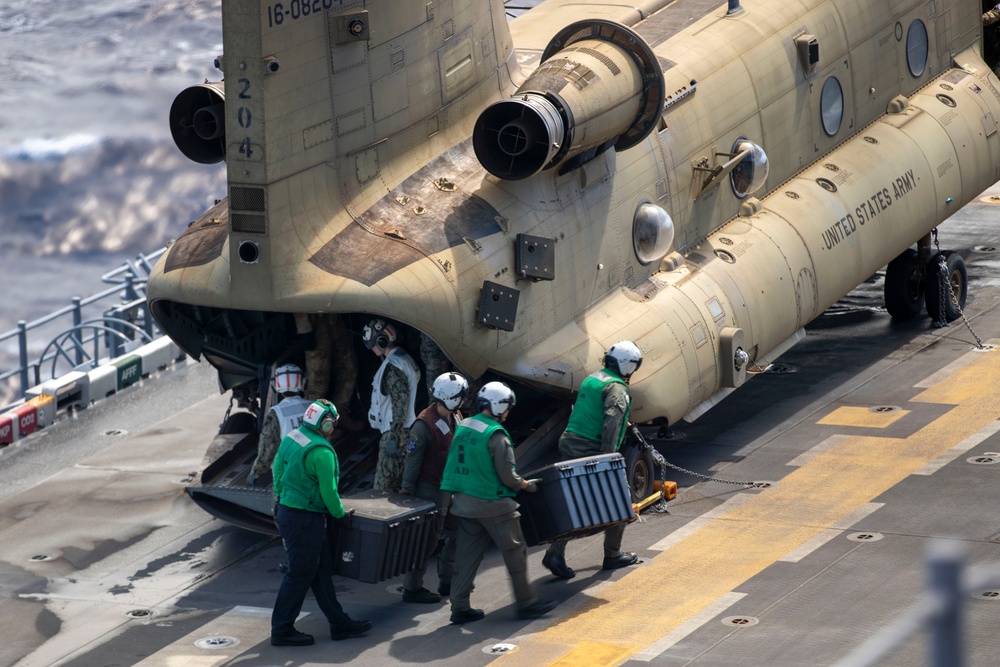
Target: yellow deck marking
(972, 441)
(863, 417)
(649, 602)
(681, 632)
(589, 653)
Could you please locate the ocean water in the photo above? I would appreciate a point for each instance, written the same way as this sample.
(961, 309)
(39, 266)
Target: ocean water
(86, 160)
(89, 175)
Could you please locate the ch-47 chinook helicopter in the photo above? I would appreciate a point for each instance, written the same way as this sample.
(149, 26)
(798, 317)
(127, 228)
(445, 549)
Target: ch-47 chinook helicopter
(703, 180)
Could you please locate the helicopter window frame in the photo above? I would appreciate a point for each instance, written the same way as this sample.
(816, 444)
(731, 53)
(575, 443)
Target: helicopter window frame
(917, 48)
(831, 105)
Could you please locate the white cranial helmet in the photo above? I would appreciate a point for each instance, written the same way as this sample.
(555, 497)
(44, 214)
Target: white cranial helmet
(450, 389)
(288, 379)
(497, 397)
(623, 358)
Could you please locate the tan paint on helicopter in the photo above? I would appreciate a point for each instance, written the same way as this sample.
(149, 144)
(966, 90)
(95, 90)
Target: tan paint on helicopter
(343, 123)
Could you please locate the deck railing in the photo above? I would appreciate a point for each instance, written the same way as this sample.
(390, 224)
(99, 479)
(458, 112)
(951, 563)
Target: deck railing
(86, 342)
(938, 612)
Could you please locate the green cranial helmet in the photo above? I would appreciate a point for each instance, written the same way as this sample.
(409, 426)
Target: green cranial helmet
(321, 416)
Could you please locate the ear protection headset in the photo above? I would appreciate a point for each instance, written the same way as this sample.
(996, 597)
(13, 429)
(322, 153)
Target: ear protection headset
(327, 425)
(322, 416)
(379, 333)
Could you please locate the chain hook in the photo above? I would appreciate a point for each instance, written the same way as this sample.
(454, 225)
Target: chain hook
(664, 464)
(943, 290)
(946, 295)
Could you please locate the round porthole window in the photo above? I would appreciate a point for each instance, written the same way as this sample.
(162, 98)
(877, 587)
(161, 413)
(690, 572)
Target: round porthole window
(831, 103)
(749, 175)
(652, 232)
(916, 47)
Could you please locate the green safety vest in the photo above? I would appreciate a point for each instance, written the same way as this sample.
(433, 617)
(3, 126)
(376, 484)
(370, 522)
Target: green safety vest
(587, 419)
(469, 468)
(299, 489)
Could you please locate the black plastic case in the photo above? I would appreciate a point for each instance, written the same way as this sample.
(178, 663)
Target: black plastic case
(386, 537)
(575, 498)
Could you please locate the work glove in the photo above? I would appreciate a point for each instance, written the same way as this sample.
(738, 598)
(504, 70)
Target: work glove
(344, 521)
(532, 485)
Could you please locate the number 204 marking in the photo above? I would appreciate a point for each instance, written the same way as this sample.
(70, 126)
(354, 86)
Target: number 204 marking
(245, 118)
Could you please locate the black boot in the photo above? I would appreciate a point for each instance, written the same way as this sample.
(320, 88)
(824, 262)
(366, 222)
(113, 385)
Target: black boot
(536, 609)
(293, 638)
(557, 566)
(467, 616)
(350, 629)
(421, 595)
(624, 559)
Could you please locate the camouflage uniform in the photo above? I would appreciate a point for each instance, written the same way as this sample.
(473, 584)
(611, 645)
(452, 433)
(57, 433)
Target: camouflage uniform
(435, 363)
(267, 446)
(331, 359)
(391, 455)
(284, 415)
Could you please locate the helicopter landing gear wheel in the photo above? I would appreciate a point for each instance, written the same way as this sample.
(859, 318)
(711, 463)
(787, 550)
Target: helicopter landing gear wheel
(946, 285)
(904, 286)
(639, 471)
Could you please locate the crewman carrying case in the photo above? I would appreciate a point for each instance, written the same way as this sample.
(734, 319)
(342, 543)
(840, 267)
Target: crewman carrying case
(387, 536)
(576, 498)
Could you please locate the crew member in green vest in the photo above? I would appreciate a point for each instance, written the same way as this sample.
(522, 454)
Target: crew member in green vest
(597, 426)
(306, 473)
(481, 474)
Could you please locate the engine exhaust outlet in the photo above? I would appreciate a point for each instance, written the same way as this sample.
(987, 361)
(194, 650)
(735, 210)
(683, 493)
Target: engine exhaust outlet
(598, 86)
(198, 122)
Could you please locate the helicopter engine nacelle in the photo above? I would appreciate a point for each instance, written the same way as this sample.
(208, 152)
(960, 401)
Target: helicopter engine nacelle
(198, 122)
(598, 86)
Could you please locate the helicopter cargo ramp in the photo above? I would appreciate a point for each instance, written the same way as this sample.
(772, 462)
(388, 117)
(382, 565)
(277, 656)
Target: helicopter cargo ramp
(870, 441)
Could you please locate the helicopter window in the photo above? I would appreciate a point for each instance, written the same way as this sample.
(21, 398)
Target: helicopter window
(652, 232)
(751, 172)
(831, 104)
(916, 47)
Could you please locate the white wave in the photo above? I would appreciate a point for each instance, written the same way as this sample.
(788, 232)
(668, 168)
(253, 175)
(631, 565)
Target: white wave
(16, 19)
(44, 149)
